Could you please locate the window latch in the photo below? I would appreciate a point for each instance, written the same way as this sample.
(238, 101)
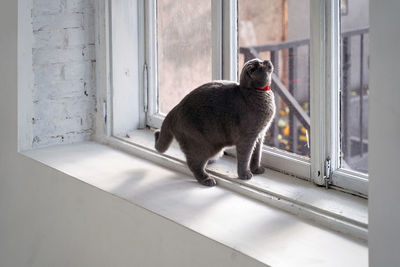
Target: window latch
(327, 176)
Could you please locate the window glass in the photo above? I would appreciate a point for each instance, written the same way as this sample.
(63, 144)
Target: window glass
(184, 49)
(280, 31)
(354, 84)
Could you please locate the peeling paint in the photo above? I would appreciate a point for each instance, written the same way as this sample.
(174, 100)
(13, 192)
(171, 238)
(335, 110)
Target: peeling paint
(36, 139)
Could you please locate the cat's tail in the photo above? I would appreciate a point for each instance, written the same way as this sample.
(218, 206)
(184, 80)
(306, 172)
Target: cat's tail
(164, 137)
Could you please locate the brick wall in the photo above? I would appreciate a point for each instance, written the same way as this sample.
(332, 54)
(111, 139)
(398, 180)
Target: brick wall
(64, 96)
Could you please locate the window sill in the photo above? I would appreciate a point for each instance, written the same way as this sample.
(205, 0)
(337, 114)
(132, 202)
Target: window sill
(260, 231)
(333, 209)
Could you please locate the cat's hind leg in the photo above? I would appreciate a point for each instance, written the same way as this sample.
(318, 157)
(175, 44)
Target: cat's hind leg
(197, 166)
(197, 157)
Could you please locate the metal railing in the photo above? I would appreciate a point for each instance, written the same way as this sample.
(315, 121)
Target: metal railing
(347, 139)
(288, 95)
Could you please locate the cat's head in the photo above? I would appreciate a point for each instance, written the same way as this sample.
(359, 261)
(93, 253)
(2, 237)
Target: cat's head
(256, 73)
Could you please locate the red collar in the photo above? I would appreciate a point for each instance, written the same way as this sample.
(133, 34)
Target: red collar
(266, 88)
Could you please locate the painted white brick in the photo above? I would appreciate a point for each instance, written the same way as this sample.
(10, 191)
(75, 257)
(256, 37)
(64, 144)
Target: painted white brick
(57, 21)
(75, 126)
(92, 34)
(44, 110)
(90, 89)
(64, 91)
(45, 7)
(56, 55)
(65, 55)
(88, 19)
(80, 37)
(64, 65)
(51, 39)
(71, 125)
(59, 89)
(79, 5)
(48, 74)
(80, 71)
(55, 110)
(47, 126)
(82, 105)
(89, 52)
(67, 138)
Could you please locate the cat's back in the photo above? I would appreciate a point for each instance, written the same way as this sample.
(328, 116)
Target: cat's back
(213, 94)
(209, 109)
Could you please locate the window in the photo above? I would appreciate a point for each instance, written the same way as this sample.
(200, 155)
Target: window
(207, 40)
(354, 88)
(179, 72)
(282, 36)
(330, 76)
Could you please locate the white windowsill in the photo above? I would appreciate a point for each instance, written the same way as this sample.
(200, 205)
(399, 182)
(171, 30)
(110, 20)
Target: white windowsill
(267, 234)
(330, 208)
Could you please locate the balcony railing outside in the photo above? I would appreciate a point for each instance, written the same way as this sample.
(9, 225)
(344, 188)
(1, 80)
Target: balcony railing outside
(288, 95)
(353, 145)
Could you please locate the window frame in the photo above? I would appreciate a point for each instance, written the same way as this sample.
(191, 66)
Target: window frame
(325, 101)
(324, 84)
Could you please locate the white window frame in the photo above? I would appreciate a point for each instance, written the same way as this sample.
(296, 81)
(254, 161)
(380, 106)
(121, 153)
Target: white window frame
(142, 90)
(325, 105)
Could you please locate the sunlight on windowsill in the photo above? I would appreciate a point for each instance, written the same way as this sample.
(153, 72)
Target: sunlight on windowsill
(261, 231)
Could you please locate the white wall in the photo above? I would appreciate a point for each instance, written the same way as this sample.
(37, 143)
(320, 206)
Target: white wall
(50, 219)
(384, 132)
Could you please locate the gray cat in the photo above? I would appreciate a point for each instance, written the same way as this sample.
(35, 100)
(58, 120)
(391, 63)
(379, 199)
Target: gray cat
(220, 114)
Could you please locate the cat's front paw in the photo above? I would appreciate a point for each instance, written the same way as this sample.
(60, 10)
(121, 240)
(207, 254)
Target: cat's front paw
(258, 170)
(246, 175)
